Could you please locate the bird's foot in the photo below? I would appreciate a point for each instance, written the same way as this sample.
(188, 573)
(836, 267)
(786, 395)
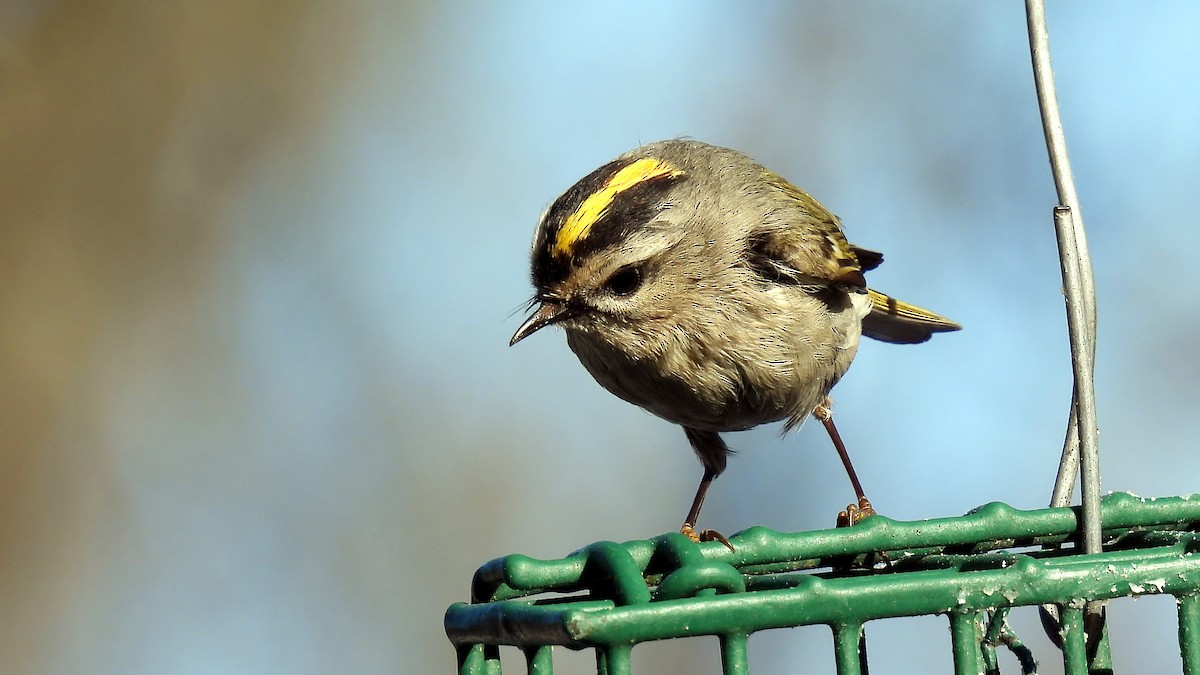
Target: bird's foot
(855, 513)
(689, 531)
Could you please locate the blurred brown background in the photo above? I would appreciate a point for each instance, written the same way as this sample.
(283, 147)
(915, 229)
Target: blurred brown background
(126, 130)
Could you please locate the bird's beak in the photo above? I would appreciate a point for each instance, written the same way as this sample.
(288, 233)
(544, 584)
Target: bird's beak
(547, 313)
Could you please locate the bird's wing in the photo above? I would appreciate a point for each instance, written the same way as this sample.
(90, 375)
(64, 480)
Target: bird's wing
(803, 242)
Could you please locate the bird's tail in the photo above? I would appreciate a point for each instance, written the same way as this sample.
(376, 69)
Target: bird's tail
(894, 321)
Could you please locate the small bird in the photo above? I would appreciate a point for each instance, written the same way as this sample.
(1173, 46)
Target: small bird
(697, 284)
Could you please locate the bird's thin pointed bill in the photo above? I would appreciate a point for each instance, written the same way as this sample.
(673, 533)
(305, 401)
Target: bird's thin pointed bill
(546, 314)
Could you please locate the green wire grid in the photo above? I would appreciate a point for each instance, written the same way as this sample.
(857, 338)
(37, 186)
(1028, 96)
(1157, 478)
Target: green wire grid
(610, 597)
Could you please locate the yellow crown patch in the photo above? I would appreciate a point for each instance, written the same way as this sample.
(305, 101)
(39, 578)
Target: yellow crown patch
(579, 223)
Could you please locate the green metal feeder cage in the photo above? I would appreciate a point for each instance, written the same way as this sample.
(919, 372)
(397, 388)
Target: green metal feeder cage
(972, 569)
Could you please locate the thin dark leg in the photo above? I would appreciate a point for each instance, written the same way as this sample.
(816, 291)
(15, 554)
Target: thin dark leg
(834, 436)
(853, 513)
(702, 490)
(712, 452)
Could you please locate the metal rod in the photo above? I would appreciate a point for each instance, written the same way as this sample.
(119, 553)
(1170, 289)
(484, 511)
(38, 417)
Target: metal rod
(1081, 360)
(1079, 286)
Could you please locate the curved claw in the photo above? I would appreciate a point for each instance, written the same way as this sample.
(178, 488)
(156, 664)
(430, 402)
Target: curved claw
(706, 535)
(855, 514)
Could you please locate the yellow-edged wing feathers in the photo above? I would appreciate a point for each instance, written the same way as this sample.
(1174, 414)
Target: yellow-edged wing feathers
(804, 241)
(805, 244)
(892, 320)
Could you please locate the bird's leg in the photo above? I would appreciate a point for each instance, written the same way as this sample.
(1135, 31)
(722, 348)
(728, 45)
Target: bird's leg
(854, 512)
(712, 452)
(689, 523)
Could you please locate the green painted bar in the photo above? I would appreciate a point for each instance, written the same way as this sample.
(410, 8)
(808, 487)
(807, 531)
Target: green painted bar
(848, 644)
(762, 550)
(964, 641)
(735, 657)
(1101, 659)
(1189, 632)
(615, 660)
(1074, 641)
(470, 659)
(540, 660)
(611, 596)
(816, 600)
(991, 637)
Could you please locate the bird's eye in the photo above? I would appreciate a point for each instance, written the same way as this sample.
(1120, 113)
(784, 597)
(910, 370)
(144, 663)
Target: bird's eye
(624, 281)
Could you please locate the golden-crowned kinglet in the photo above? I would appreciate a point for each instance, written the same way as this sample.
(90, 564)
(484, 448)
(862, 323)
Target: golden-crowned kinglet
(697, 284)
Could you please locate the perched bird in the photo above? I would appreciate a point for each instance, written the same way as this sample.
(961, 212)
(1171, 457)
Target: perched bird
(695, 283)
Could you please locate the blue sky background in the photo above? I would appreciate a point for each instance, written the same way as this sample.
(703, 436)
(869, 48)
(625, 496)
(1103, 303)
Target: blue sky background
(296, 428)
